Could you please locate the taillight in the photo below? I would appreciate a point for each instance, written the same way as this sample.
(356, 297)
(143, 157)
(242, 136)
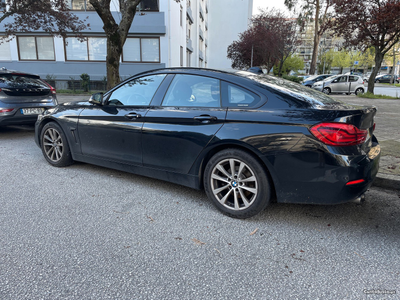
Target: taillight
(6, 110)
(339, 134)
(53, 90)
(355, 182)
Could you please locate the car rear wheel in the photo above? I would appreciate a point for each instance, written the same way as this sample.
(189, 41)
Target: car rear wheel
(55, 146)
(359, 91)
(237, 183)
(326, 91)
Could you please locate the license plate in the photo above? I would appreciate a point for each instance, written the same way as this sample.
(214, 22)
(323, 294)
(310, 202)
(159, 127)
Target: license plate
(32, 111)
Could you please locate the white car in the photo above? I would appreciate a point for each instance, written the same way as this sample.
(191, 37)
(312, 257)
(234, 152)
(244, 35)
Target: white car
(340, 84)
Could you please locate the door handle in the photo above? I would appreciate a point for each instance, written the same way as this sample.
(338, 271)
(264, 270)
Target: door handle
(133, 116)
(205, 118)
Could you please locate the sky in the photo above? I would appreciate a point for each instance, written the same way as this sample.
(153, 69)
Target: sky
(279, 4)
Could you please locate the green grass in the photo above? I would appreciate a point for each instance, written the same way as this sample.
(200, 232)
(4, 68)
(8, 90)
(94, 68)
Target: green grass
(373, 96)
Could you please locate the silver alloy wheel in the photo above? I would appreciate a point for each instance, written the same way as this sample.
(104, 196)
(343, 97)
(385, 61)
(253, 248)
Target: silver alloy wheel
(234, 184)
(53, 144)
(326, 91)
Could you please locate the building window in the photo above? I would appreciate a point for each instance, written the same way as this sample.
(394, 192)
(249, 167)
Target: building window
(79, 5)
(35, 48)
(94, 49)
(148, 5)
(181, 17)
(188, 57)
(181, 56)
(141, 50)
(5, 52)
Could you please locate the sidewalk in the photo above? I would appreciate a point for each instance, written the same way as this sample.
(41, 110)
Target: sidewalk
(387, 131)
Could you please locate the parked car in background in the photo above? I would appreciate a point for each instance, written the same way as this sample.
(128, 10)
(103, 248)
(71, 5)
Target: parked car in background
(340, 84)
(313, 79)
(303, 77)
(256, 70)
(386, 78)
(23, 97)
(366, 76)
(246, 139)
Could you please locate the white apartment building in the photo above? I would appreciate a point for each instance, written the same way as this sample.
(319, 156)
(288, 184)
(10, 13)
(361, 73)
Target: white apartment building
(164, 33)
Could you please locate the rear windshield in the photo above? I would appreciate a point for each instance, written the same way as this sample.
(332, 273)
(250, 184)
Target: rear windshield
(21, 81)
(290, 88)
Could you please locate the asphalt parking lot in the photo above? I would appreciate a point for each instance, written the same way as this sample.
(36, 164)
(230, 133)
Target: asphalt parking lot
(86, 232)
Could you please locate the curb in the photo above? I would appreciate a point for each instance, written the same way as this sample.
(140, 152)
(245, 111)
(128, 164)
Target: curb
(385, 181)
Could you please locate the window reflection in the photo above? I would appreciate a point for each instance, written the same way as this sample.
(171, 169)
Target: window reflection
(190, 90)
(139, 91)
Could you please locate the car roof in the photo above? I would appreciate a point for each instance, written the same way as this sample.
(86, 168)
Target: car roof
(259, 82)
(4, 71)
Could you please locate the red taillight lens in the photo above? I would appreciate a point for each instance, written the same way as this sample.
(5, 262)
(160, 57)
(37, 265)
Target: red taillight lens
(6, 110)
(53, 90)
(355, 182)
(339, 134)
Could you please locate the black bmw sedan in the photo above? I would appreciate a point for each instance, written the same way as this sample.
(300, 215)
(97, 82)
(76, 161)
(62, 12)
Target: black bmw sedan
(246, 139)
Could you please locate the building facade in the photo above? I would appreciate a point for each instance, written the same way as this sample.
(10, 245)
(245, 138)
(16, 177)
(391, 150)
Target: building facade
(164, 33)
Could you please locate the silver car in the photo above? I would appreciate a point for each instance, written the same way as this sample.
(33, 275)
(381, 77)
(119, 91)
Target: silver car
(23, 97)
(341, 84)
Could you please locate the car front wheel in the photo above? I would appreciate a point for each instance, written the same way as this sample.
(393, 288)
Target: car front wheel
(326, 91)
(237, 183)
(55, 146)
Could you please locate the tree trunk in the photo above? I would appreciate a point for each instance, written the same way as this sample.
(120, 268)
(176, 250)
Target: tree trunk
(378, 63)
(114, 51)
(317, 38)
(392, 81)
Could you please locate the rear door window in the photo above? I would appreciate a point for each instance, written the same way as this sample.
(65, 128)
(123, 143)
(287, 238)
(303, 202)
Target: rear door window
(193, 90)
(353, 78)
(239, 97)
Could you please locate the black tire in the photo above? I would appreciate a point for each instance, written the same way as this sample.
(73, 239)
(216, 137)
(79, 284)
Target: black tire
(242, 195)
(326, 91)
(55, 146)
(359, 91)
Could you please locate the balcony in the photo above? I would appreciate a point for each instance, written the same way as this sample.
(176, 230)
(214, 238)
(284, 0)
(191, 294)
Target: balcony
(201, 55)
(201, 34)
(201, 12)
(189, 43)
(189, 14)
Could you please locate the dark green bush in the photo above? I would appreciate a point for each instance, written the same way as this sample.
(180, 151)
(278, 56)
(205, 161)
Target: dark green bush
(293, 78)
(85, 82)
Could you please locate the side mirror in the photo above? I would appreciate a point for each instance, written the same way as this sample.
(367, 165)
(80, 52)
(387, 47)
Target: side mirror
(96, 99)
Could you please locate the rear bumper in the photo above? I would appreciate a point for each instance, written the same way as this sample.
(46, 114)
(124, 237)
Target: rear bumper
(17, 118)
(324, 179)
